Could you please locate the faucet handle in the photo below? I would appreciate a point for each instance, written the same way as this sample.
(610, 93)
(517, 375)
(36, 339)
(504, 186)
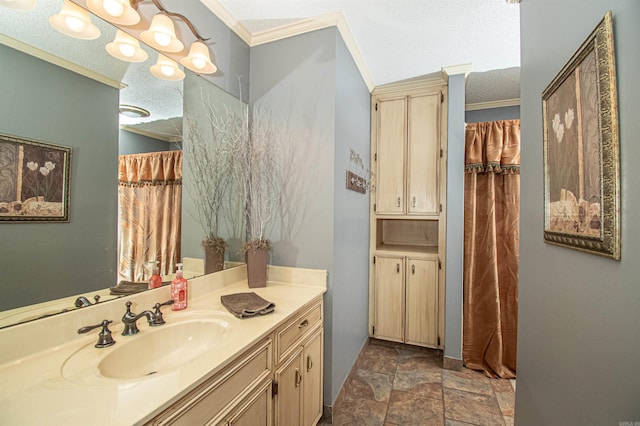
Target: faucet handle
(158, 320)
(104, 337)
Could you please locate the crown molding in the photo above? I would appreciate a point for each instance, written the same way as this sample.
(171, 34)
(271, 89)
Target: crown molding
(456, 69)
(228, 19)
(153, 135)
(413, 85)
(327, 20)
(492, 104)
(61, 62)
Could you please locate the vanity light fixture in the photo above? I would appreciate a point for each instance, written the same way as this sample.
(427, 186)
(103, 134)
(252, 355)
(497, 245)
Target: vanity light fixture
(115, 11)
(198, 59)
(126, 48)
(166, 69)
(74, 21)
(161, 35)
(19, 4)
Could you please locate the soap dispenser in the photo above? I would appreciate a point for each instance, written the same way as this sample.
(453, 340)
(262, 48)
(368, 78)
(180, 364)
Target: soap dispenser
(156, 280)
(179, 290)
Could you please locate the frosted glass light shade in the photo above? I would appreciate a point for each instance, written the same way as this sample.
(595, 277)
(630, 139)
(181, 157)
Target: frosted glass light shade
(198, 59)
(166, 69)
(126, 48)
(74, 21)
(161, 35)
(115, 11)
(19, 4)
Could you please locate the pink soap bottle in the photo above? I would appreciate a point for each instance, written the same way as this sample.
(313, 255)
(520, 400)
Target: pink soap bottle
(179, 290)
(156, 280)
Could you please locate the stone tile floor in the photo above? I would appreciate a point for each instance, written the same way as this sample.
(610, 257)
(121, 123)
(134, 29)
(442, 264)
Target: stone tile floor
(393, 384)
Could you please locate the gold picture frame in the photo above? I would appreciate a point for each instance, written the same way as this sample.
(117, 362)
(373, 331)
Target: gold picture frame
(34, 181)
(581, 149)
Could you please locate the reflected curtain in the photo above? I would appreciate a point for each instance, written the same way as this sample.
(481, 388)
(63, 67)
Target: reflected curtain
(491, 246)
(150, 208)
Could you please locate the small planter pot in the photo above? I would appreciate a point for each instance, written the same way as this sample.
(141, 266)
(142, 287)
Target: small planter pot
(213, 260)
(257, 260)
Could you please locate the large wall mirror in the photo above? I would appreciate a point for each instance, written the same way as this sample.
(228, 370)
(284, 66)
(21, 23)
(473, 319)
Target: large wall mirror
(69, 93)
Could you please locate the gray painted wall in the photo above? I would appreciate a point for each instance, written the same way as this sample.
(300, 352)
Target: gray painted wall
(455, 218)
(350, 290)
(492, 114)
(578, 336)
(42, 261)
(133, 143)
(310, 83)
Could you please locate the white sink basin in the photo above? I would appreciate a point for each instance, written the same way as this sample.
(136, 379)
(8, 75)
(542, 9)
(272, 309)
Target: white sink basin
(153, 350)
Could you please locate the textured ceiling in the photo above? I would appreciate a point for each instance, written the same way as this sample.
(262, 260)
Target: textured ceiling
(399, 40)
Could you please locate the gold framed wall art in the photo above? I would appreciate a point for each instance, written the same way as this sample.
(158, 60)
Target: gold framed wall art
(581, 149)
(34, 181)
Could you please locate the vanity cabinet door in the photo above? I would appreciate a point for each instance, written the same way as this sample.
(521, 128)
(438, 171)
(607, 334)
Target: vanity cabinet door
(254, 410)
(312, 379)
(391, 147)
(288, 398)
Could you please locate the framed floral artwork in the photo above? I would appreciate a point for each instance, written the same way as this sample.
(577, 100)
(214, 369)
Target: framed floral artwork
(34, 181)
(581, 151)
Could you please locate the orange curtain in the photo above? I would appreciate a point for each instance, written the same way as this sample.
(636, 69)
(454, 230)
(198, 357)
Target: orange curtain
(491, 244)
(150, 206)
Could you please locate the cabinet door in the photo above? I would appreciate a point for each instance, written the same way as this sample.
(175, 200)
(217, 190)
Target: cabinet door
(312, 380)
(254, 410)
(389, 298)
(422, 300)
(423, 154)
(288, 404)
(391, 142)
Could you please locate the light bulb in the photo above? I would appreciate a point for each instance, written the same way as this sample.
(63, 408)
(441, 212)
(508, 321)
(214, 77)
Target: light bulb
(199, 62)
(162, 39)
(74, 23)
(114, 8)
(127, 49)
(167, 70)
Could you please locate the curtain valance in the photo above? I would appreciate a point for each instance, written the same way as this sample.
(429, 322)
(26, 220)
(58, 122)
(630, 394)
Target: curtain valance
(156, 168)
(493, 146)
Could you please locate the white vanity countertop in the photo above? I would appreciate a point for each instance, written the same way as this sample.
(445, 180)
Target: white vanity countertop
(33, 390)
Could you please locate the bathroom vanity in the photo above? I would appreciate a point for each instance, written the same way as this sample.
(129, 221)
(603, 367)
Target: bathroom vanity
(204, 366)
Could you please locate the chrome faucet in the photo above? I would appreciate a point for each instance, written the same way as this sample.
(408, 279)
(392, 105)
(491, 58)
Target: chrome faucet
(129, 320)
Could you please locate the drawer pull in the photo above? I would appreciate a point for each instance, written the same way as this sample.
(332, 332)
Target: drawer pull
(304, 323)
(414, 202)
(413, 269)
(309, 363)
(298, 378)
(397, 268)
(398, 201)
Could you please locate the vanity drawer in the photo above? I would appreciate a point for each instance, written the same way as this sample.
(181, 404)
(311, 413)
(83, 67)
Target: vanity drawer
(217, 396)
(294, 331)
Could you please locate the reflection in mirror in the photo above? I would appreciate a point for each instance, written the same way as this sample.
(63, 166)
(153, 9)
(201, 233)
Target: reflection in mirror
(47, 266)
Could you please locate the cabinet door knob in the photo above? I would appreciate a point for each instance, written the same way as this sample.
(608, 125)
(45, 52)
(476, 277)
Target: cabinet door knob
(413, 202)
(398, 201)
(397, 268)
(298, 377)
(309, 363)
(413, 269)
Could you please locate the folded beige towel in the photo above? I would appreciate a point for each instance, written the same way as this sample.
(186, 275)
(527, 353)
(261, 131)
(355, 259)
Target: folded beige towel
(244, 305)
(129, 287)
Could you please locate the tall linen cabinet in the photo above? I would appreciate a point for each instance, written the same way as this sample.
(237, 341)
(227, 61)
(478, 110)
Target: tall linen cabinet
(408, 212)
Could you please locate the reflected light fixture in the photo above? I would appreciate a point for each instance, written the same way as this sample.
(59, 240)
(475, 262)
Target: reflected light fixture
(115, 11)
(133, 111)
(161, 35)
(126, 48)
(198, 59)
(19, 4)
(74, 21)
(166, 69)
